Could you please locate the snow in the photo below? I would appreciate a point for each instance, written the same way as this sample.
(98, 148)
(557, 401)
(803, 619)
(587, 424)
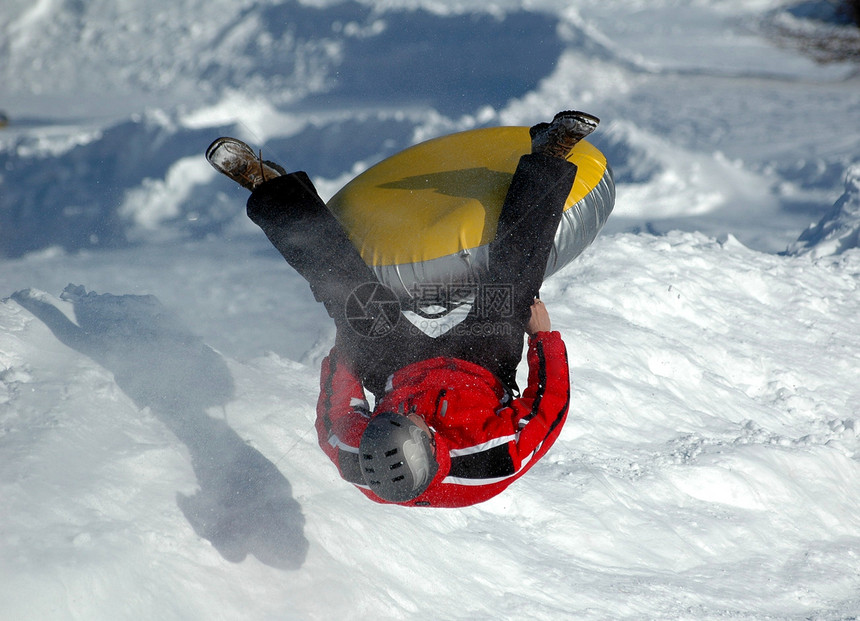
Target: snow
(837, 231)
(159, 361)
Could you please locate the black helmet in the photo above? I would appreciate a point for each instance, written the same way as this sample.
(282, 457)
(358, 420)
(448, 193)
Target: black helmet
(396, 457)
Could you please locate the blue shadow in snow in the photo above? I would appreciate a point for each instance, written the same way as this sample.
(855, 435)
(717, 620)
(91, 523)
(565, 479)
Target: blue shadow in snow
(392, 59)
(244, 504)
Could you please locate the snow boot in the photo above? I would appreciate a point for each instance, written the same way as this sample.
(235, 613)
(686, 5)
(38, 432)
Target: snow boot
(238, 161)
(559, 137)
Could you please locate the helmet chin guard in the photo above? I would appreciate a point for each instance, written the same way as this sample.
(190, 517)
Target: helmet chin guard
(396, 457)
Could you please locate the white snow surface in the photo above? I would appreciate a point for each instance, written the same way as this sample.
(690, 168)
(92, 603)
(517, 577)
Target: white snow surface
(159, 361)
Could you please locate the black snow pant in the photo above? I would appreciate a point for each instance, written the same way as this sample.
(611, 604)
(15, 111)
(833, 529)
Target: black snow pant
(306, 233)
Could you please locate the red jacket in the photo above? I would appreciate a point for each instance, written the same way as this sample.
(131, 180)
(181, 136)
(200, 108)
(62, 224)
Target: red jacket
(484, 440)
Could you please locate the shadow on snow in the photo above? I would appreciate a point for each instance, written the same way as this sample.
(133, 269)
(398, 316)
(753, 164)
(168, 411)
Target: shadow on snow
(244, 504)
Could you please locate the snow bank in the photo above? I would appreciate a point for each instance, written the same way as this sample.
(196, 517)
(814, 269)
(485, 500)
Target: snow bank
(839, 229)
(101, 148)
(708, 468)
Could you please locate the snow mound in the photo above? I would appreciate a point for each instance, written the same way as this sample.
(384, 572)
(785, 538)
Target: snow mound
(839, 229)
(707, 469)
(131, 52)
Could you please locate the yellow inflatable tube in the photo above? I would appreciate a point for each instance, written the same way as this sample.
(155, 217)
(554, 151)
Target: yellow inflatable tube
(427, 214)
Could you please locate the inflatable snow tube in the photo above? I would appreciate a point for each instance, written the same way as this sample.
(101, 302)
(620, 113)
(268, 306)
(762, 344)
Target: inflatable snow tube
(427, 214)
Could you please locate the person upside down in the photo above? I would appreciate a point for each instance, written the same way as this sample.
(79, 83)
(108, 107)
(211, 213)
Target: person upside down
(449, 427)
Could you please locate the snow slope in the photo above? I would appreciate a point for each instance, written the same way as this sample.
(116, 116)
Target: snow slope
(157, 455)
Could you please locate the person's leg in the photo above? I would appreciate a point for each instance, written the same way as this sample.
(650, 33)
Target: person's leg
(309, 237)
(527, 226)
(493, 334)
(370, 329)
(290, 212)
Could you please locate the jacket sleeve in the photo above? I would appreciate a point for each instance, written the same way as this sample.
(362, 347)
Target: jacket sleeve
(542, 409)
(342, 415)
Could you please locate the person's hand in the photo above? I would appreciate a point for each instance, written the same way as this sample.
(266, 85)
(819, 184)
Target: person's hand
(539, 320)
